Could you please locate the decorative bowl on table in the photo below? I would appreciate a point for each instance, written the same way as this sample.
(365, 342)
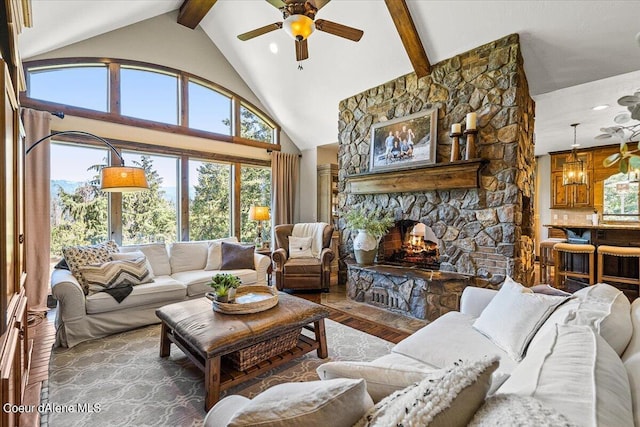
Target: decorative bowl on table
(249, 299)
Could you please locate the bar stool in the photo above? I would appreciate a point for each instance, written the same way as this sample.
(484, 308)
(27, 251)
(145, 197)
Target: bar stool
(566, 265)
(632, 277)
(547, 259)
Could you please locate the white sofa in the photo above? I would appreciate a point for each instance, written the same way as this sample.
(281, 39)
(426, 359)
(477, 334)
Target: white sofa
(583, 362)
(180, 274)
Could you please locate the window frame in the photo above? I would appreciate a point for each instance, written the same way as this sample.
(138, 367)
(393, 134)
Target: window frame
(114, 115)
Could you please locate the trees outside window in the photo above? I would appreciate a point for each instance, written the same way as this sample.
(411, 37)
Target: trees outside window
(209, 200)
(255, 190)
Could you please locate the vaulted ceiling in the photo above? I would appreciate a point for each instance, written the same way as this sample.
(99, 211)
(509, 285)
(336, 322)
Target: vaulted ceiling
(577, 54)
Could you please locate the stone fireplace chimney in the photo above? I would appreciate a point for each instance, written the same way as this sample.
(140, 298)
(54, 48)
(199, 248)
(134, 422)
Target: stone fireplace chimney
(485, 231)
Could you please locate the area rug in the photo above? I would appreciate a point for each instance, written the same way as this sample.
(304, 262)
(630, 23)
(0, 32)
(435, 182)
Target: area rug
(121, 380)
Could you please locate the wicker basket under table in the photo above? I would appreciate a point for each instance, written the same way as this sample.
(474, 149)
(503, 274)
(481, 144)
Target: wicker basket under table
(247, 357)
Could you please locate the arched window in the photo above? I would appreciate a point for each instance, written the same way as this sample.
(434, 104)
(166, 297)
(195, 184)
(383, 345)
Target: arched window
(149, 96)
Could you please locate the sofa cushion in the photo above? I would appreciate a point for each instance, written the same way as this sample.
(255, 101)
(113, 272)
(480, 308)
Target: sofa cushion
(197, 281)
(156, 254)
(514, 315)
(575, 371)
(303, 266)
(450, 401)
(339, 402)
(79, 256)
(515, 410)
(300, 247)
(608, 311)
(114, 274)
(634, 343)
(162, 289)
(382, 378)
(237, 257)
(186, 256)
(214, 252)
(453, 336)
(632, 365)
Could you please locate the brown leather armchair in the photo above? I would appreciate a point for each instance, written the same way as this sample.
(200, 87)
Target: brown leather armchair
(301, 273)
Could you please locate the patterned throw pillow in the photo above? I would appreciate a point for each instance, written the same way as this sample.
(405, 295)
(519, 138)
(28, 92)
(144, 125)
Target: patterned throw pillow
(450, 401)
(79, 256)
(115, 274)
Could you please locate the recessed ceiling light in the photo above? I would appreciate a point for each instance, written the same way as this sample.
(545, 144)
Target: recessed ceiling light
(600, 107)
(273, 47)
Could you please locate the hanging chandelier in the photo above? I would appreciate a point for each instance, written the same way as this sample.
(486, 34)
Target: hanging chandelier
(573, 172)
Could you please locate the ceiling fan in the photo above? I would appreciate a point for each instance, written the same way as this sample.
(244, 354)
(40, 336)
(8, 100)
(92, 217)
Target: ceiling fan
(299, 22)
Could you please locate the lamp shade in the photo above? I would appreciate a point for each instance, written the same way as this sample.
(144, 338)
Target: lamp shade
(259, 213)
(299, 26)
(123, 179)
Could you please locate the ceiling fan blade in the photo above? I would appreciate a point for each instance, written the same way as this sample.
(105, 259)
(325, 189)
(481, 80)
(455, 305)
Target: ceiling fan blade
(260, 31)
(277, 3)
(318, 4)
(339, 30)
(302, 50)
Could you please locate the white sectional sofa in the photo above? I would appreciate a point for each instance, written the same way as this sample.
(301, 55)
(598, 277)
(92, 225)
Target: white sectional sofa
(582, 363)
(181, 271)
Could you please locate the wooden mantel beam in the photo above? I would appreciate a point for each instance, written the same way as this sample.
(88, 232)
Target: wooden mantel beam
(410, 39)
(192, 12)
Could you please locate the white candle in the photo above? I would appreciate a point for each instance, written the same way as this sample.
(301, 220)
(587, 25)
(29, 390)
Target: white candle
(456, 128)
(471, 120)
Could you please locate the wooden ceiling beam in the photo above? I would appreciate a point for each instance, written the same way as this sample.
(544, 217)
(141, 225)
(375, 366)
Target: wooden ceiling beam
(410, 39)
(192, 12)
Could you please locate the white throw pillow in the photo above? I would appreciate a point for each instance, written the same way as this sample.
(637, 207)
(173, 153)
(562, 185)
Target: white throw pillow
(338, 403)
(300, 247)
(214, 253)
(156, 254)
(575, 371)
(382, 378)
(507, 410)
(514, 315)
(187, 256)
(131, 256)
(450, 401)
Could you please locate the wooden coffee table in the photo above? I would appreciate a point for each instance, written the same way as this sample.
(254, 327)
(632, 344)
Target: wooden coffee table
(205, 336)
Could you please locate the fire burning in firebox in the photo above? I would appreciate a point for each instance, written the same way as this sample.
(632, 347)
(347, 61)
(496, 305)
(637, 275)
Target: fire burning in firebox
(412, 243)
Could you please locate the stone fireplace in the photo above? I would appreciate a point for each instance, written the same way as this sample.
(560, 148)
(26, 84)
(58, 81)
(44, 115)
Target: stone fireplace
(482, 230)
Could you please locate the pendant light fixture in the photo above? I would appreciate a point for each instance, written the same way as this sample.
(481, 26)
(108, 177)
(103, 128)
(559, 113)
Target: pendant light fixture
(573, 172)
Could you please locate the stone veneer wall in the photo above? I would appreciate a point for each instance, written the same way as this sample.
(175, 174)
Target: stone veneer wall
(486, 232)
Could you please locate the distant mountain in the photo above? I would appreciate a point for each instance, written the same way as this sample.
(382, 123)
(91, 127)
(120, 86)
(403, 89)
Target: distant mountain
(68, 186)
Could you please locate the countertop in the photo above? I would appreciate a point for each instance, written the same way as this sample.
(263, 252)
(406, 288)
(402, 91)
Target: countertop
(595, 227)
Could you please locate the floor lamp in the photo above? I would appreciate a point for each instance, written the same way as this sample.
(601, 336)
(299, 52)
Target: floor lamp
(259, 213)
(114, 179)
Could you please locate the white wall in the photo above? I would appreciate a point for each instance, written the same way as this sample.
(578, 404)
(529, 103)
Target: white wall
(309, 186)
(161, 40)
(543, 197)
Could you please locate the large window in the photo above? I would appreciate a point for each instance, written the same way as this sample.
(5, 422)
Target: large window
(621, 199)
(151, 216)
(146, 95)
(255, 190)
(209, 110)
(149, 95)
(84, 86)
(78, 207)
(209, 200)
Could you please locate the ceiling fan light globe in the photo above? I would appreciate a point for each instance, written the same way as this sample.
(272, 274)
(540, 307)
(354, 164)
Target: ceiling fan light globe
(299, 27)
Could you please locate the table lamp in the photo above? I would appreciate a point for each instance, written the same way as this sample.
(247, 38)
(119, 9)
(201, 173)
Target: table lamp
(259, 213)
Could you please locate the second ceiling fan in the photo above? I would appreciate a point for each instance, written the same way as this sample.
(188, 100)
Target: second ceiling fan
(299, 22)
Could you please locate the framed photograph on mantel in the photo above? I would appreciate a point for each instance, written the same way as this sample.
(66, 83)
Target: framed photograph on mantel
(405, 142)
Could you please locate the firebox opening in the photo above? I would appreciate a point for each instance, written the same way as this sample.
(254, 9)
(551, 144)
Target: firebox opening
(410, 243)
